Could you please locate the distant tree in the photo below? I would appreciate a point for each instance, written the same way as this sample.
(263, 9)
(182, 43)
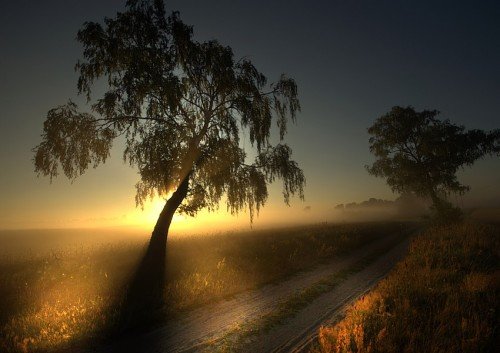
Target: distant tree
(339, 207)
(374, 203)
(180, 106)
(416, 152)
(350, 205)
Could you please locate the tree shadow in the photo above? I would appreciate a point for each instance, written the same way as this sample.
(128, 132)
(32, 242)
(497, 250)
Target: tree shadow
(144, 297)
(142, 305)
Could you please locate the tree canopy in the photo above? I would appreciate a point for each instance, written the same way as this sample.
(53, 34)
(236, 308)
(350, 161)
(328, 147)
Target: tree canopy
(181, 107)
(417, 152)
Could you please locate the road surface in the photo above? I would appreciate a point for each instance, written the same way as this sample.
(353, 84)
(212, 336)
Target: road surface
(255, 321)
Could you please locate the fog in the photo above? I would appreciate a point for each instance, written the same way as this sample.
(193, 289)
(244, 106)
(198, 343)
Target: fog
(406, 207)
(35, 242)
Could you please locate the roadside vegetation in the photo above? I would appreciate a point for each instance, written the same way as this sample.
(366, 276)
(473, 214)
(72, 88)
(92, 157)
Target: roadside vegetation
(443, 297)
(235, 340)
(57, 300)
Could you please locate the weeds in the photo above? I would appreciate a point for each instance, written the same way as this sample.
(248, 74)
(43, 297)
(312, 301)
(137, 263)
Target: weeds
(443, 297)
(63, 299)
(292, 304)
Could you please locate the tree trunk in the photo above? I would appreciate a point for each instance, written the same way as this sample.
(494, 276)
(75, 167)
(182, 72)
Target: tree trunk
(154, 259)
(145, 292)
(445, 211)
(436, 201)
(160, 231)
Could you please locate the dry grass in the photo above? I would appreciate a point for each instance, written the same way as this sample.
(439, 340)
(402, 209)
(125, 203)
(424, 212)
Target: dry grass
(63, 299)
(443, 297)
(235, 340)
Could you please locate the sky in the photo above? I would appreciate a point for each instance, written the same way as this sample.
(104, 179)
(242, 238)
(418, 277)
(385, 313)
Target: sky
(352, 61)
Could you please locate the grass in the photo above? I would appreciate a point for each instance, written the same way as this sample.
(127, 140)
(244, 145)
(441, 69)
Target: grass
(62, 299)
(443, 297)
(291, 305)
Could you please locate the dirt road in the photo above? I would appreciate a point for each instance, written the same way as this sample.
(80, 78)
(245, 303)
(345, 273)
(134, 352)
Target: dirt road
(281, 317)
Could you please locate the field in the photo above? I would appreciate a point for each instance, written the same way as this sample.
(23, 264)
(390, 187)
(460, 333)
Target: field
(443, 297)
(63, 298)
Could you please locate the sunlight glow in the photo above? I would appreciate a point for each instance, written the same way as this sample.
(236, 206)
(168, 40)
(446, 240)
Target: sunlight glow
(218, 221)
(148, 216)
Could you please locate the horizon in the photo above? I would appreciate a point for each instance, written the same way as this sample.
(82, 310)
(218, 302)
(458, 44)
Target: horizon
(365, 67)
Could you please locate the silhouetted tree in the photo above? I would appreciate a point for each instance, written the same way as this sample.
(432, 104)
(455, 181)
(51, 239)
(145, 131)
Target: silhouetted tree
(339, 207)
(416, 152)
(180, 106)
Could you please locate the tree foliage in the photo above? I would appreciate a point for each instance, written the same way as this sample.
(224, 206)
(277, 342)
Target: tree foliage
(417, 152)
(181, 107)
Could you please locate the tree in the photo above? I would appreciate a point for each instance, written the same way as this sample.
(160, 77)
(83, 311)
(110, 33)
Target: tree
(180, 106)
(417, 152)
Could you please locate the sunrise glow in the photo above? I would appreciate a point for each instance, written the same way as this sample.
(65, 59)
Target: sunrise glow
(146, 217)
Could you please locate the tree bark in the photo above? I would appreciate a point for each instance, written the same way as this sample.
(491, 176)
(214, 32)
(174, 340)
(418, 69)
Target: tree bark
(435, 199)
(437, 202)
(160, 231)
(153, 264)
(145, 293)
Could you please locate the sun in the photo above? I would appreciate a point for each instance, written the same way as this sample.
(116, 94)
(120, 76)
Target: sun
(204, 222)
(148, 216)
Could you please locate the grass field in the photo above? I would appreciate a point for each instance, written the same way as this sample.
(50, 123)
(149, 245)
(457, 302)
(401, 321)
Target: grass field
(443, 297)
(59, 299)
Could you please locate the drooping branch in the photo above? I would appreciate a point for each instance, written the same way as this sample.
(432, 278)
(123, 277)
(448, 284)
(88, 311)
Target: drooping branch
(180, 106)
(276, 162)
(71, 141)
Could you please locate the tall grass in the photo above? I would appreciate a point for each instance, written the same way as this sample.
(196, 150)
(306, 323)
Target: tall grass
(59, 300)
(443, 297)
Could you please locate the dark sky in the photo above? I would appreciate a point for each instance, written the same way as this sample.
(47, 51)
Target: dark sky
(352, 60)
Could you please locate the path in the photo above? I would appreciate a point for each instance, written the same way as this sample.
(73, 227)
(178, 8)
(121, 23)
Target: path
(236, 324)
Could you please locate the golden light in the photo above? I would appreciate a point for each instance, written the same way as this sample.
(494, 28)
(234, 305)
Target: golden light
(147, 217)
